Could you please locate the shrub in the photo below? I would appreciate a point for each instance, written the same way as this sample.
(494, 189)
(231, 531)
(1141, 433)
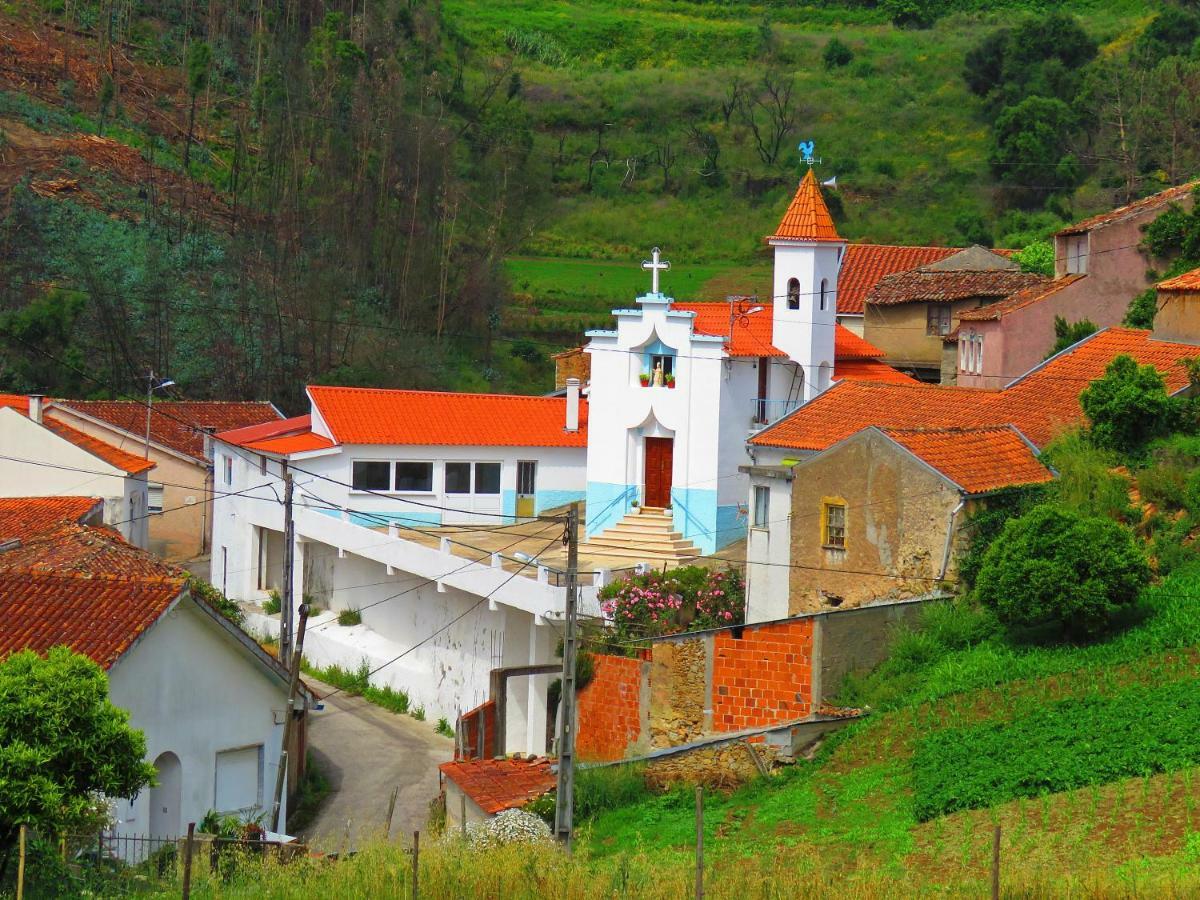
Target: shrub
(1129, 406)
(1142, 308)
(273, 604)
(1067, 334)
(418, 713)
(837, 54)
(1037, 257)
(1138, 731)
(988, 520)
(1055, 566)
(689, 598)
(1086, 481)
(349, 617)
(202, 590)
(444, 727)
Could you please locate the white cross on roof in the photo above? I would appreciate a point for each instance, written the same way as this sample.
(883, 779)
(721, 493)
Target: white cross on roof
(655, 265)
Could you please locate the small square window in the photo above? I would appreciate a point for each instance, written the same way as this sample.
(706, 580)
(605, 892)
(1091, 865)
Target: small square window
(937, 319)
(458, 478)
(228, 469)
(487, 478)
(371, 476)
(414, 476)
(835, 526)
(762, 506)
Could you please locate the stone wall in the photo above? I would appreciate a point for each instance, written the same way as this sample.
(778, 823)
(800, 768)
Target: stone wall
(679, 690)
(723, 766)
(611, 715)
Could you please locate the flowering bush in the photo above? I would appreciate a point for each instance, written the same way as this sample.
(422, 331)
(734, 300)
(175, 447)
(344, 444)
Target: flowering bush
(685, 599)
(513, 826)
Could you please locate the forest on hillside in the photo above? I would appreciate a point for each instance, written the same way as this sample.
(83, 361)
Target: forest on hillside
(250, 195)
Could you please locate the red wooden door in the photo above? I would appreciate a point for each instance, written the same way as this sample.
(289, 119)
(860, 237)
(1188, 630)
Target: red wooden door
(659, 454)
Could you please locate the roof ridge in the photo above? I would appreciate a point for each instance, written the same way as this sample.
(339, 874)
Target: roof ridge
(807, 217)
(476, 394)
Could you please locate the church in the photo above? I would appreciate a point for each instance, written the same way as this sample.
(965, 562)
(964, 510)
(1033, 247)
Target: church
(677, 389)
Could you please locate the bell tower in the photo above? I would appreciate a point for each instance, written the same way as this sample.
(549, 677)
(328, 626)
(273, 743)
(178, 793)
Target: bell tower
(808, 255)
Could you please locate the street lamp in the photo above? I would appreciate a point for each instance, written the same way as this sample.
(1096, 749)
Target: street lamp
(151, 387)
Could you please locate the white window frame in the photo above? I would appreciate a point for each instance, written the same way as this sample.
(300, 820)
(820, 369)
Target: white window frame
(762, 506)
(258, 800)
(227, 469)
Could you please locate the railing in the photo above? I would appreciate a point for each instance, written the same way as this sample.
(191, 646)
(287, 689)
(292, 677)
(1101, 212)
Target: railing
(768, 411)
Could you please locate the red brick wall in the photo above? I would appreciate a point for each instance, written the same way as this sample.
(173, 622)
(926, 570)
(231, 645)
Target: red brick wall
(762, 678)
(609, 710)
(471, 721)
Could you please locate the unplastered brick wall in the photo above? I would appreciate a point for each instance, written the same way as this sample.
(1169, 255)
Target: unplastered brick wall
(482, 716)
(612, 710)
(762, 677)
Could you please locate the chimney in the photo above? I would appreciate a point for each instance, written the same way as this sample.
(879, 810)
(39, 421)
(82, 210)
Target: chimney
(209, 431)
(36, 402)
(572, 404)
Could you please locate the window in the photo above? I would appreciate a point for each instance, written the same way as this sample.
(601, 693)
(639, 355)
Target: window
(238, 785)
(1077, 254)
(824, 290)
(762, 506)
(793, 293)
(526, 477)
(937, 319)
(458, 478)
(666, 360)
(227, 469)
(487, 478)
(154, 497)
(369, 475)
(414, 476)
(833, 519)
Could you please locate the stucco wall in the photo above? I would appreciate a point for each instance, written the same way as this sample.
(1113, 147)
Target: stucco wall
(899, 330)
(857, 640)
(195, 693)
(897, 514)
(1178, 317)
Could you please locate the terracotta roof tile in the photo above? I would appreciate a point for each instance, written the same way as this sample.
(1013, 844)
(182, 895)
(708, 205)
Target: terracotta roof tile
(374, 416)
(22, 518)
(19, 402)
(864, 264)
(72, 549)
(176, 423)
(1188, 281)
(943, 286)
(1162, 198)
(126, 462)
(1030, 295)
(1040, 404)
(752, 333)
(807, 217)
(869, 370)
(499, 784)
(978, 460)
(282, 438)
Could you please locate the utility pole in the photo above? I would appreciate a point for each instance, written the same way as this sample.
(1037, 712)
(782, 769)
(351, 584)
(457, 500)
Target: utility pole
(289, 563)
(565, 796)
(293, 689)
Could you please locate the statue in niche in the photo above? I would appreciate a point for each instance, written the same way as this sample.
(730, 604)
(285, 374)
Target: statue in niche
(658, 374)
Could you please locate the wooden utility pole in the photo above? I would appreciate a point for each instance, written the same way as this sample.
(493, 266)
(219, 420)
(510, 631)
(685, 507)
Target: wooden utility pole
(21, 863)
(289, 564)
(416, 872)
(288, 722)
(699, 842)
(187, 860)
(996, 864)
(565, 795)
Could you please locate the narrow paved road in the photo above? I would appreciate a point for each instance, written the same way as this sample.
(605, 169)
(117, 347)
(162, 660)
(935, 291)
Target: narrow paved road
(365, 751)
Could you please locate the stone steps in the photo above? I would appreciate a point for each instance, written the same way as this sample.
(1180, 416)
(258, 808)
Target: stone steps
(647, 534)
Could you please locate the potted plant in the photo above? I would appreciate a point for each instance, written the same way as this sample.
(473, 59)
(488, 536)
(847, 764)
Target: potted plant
(644, 378)
(670, 380)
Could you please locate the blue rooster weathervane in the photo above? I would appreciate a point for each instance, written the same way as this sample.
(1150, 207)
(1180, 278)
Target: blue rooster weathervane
(806, 153)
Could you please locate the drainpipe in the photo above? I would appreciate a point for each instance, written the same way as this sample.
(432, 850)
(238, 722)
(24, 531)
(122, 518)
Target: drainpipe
(950, 537)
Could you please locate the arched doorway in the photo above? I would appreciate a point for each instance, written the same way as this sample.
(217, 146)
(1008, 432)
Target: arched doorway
(166, 796)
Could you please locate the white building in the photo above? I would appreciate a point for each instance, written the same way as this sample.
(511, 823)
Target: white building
(677, 388)
(377, 473)
(210, 702)
(42, 457)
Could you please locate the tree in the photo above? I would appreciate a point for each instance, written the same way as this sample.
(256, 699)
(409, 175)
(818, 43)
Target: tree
(1142, 308)
(912, 13)
(770, 115)
(1030, 148)
(1037, 256)
(1067, 334)
(1128, 407)
(837, 54)
(1053, 565)
(199, 58)
(63, 746)
(1170, 33)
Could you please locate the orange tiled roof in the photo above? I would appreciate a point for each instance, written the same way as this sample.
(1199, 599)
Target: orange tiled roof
(19, 402)
(943, 286)
(73, 549)
(1162, 198)
(499, 784)
(869, 370)
(1041, 403)
(807, 217)
(1188, 281)
(176, 424)
(284, 437)
(114, 456)
(978, 460)
(1030, 295)
(752, 333)
(375, 416)
(21, 518)
(864, 264)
